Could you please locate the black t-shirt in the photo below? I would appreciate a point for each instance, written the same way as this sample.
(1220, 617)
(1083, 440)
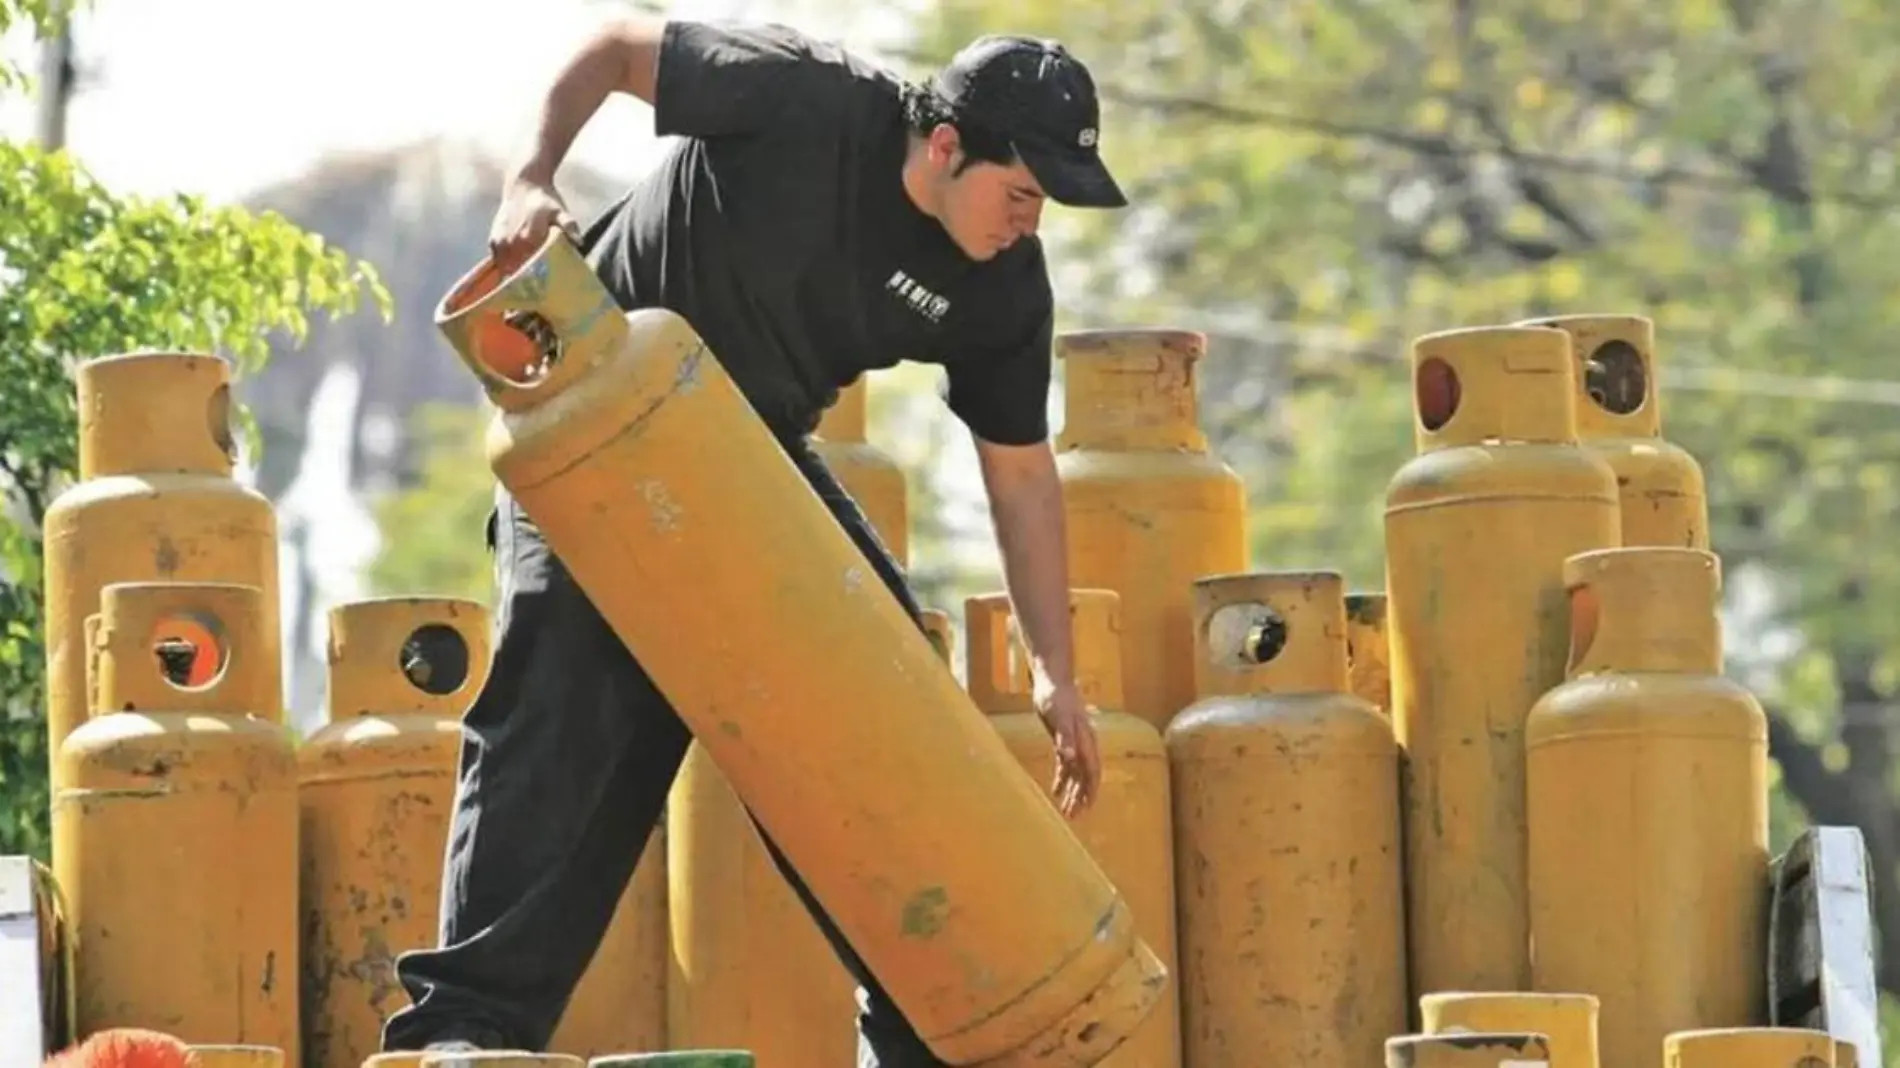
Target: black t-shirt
(780, 228)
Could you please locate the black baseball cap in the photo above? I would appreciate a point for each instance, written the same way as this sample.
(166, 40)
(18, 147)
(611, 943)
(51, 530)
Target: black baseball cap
(1035, 93)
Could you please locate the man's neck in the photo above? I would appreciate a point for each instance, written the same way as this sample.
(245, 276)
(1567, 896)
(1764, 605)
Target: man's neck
(916, 178)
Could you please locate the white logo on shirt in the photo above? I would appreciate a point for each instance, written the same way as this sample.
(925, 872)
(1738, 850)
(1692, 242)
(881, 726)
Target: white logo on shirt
(921, 300)
(1087, 137)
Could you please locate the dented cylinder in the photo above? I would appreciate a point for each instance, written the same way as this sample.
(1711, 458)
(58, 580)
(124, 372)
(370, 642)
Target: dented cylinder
(1473, 1050)
(1286, 825)
(1478, 526)
(175, 827)
(867, 472)
(990, 926)
(155, 503)
(1748, 1047)
(1148, 508)
(1619, 418)
(1368, 651)
(376, 786)
(1129, 829)
(1647, 760)
(1567, 1021)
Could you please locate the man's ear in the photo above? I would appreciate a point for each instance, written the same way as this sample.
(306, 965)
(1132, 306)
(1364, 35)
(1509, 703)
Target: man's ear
(945, 144)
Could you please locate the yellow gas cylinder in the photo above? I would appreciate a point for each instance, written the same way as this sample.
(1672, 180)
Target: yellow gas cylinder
(175, 829)
(500, 1059)
(686, 1058)
(1478, 526)
(1568, 1021)
(941, 634)
(376, 785)
(1149, 510)
(621, 999)
(401, 1059)
(1649, 760)
(1469, 1050)
(1619, 417)
(1129, 829)
(155, 502)
(1748, 1047)
(804, 679)
(1286, 832)
(1368, 660)
(1846, 1054)
(748, 965)
(234, 1057)
(868, 473)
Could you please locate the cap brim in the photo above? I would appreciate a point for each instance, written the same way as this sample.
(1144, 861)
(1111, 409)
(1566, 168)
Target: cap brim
(1078, 179)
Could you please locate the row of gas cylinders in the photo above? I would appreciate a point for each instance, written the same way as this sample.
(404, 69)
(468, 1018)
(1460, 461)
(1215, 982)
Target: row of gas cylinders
(1319, 882)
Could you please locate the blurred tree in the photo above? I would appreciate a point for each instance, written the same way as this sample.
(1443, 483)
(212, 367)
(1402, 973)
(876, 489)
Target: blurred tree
(1316, 183)
(84, 273)
(434, 528)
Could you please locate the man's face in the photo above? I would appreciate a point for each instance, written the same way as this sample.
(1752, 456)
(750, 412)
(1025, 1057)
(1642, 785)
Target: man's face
(988, 206)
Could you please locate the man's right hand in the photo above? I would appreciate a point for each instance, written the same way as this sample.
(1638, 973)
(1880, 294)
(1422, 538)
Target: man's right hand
(528, 209)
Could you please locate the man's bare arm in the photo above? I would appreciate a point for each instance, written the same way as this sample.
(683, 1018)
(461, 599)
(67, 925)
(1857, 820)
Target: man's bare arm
(624, 56)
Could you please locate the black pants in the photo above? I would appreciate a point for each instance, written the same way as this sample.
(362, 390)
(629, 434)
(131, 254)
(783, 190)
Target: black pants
(567, 757)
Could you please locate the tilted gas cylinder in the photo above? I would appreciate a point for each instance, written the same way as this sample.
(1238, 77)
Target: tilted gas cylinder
(155, 501)
(1478, 526)
(1368, 651)
(867, 472)
(675, 509)
(1748, 1047)
(1647, 760)
(1129, 828)
(175, 826)
(1286, 835)
(376, 785)
(1619, 417)
(1567, 1021)
(1148, 508)
(1488, 1049)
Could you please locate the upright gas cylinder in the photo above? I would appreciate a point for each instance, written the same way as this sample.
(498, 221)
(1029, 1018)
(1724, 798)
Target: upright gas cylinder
(376, 785)
(941, 634)
(749, 966)
(680, 1058)
(621, 1000)
(175, 829)
(1619, 417)
(1568, 1021)
(1286, 832)
(1487, 1049)
(155, 502)
(1748, 1047)
(1649, 760)
(1129, 829)
(1478, 526)
(989, 923)
(229, 1056)
(501, 1059)
(1149, 510)
(867, 472)
(1368, 651)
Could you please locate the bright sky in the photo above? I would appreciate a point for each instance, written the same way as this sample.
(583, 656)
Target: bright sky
(220, 96)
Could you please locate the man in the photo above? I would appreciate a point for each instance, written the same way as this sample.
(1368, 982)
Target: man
(817, 219)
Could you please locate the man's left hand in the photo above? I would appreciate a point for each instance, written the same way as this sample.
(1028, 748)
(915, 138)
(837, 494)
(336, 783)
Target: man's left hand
(1078, 761)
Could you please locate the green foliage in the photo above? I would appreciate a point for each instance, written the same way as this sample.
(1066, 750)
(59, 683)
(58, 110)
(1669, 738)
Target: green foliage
(432, 530)
(84, 273)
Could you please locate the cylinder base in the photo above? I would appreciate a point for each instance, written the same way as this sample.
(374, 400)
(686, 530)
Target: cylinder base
(1092, 1030)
